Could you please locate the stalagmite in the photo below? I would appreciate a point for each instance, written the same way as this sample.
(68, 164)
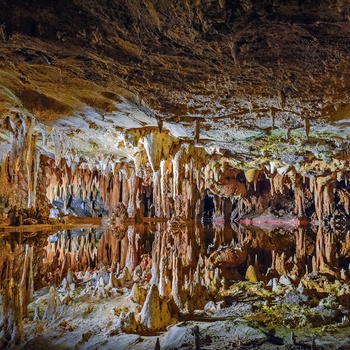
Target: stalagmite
(51, 309)
(155, 314)
(138, 294)
(112, 280)
(250, 274)
(36, 313)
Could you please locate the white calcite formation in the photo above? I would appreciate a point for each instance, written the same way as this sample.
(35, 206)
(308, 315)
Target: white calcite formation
(155, 313)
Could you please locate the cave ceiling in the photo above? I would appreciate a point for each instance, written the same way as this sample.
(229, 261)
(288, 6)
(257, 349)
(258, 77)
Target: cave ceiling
(251, 80)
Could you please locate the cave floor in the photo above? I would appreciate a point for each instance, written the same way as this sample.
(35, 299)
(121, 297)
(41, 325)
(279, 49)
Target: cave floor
(89, 323)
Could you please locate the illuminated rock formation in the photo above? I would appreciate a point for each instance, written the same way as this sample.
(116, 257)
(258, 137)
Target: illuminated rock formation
(155, 313)
(210, 139)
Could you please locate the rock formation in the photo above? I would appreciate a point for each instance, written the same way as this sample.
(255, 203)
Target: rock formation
(211, 140)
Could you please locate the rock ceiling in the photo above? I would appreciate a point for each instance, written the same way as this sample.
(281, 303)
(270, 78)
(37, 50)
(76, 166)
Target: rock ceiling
(251, 80)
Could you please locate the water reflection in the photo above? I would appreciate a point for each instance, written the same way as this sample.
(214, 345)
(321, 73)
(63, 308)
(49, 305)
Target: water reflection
(189, 263)
(174, 252)
(21, 257)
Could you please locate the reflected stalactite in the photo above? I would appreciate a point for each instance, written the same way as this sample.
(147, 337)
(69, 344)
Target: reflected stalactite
(188, 264)
(18, 275)
(326, 261)
(132, 257)
(300, 250)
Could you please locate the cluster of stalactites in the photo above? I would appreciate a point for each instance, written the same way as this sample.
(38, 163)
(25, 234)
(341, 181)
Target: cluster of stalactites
(90, 185)
(169, 178)
(172, 188)
(22, 162)
(324, 191)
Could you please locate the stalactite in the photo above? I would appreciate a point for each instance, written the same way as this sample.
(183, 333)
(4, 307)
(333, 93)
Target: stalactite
(299, 196)
(278, 183)
(32, 171)
(164, 206)
(323, 189)
(176, 177)
(20, 158)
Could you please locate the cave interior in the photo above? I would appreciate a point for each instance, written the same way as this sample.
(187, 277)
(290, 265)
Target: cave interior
(174, 174)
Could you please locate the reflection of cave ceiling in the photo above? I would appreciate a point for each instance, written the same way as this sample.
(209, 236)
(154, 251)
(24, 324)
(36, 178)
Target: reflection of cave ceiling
(251, 79)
